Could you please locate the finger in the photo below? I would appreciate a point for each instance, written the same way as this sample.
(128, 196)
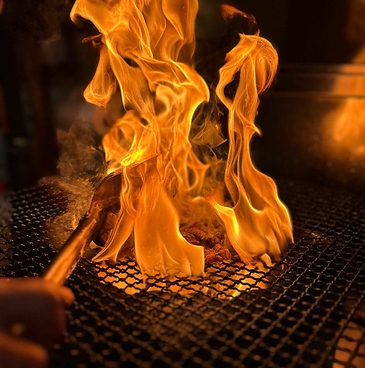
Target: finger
(68, 296)
(36, 306)
(31, 285)
(20, 353)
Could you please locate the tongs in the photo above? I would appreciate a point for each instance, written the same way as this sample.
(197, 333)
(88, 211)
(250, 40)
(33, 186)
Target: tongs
(106, 196)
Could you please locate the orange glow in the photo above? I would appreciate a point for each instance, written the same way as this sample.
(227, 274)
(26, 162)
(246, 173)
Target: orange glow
(345, 125)
(224, 283)
(147, 50)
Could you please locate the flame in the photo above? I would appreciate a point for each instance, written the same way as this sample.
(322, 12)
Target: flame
(258, 223)
(147, 51)
(230, 12)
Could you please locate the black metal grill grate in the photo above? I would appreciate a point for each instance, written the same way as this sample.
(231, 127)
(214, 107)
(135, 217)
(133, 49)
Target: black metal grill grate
(306, 311)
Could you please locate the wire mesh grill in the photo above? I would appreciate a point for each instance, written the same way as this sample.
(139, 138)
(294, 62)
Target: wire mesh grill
(306, 311)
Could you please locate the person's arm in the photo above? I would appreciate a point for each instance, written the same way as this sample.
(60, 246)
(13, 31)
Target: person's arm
(32, 318)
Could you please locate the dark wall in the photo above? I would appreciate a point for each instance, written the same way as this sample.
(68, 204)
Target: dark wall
(42, 62)
(311, 31)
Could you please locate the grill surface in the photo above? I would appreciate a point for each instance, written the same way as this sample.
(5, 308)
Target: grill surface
(306, 312)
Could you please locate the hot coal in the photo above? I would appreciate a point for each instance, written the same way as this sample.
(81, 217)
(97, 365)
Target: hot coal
(217, 247)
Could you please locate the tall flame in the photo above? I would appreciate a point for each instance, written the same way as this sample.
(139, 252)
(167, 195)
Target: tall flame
(147, 49)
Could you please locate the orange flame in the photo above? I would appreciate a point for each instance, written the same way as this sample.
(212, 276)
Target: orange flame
(258, 223)
(147, 49)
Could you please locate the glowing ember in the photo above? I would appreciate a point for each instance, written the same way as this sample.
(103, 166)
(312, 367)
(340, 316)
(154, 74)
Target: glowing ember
(223, 282)
(147, 49)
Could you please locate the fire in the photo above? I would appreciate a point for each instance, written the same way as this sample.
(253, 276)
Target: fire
(147, 52)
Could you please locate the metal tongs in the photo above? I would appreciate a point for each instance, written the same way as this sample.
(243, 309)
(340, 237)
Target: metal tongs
(106, 196)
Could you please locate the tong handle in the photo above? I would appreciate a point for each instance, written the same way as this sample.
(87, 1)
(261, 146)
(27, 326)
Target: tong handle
(72, 250)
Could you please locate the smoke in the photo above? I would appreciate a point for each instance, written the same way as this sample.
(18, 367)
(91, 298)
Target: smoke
(81, 156)
(81, 167)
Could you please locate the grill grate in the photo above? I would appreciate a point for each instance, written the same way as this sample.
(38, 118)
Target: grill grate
(306, 311)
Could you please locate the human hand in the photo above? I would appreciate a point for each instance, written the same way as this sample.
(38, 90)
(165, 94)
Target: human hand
(32, 318)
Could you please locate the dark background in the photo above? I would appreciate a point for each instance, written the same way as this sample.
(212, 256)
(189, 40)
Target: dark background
(44, 68)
